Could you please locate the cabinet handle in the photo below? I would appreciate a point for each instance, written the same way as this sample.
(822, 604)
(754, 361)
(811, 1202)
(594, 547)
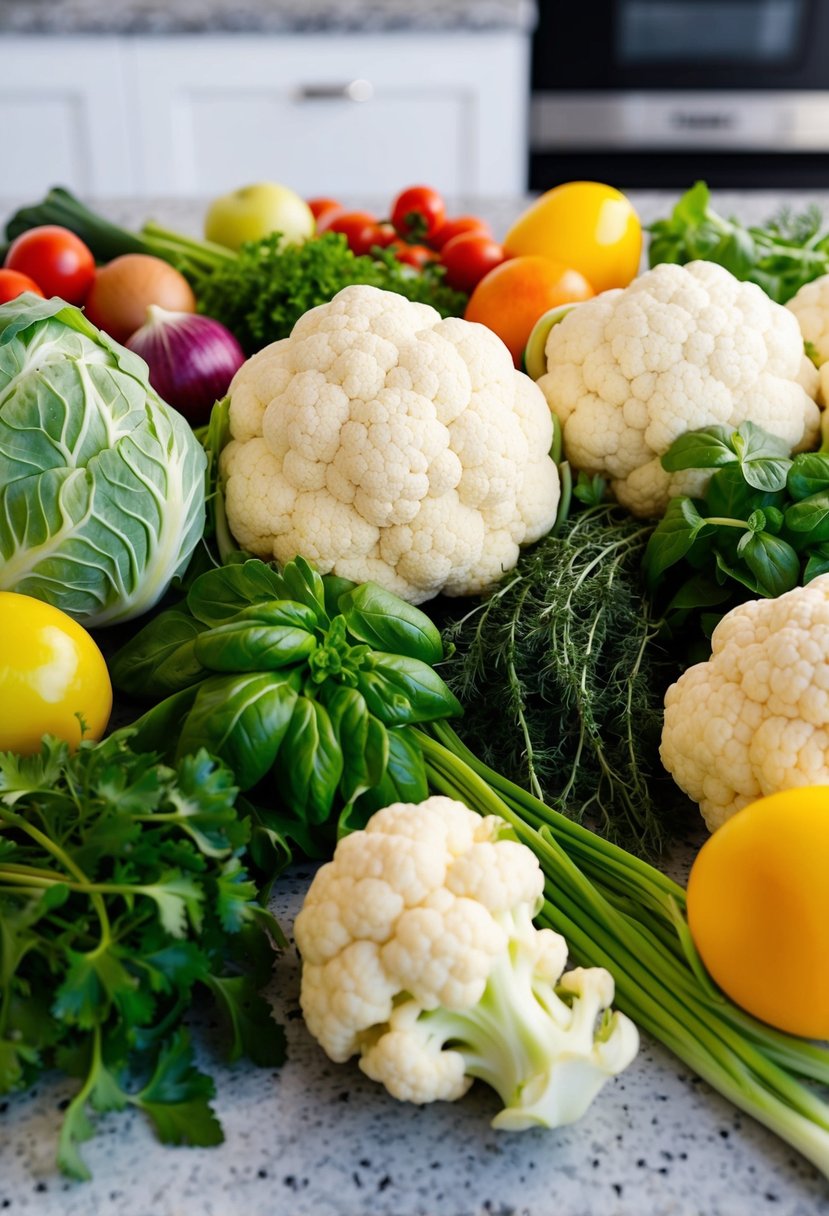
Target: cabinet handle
(354, 90)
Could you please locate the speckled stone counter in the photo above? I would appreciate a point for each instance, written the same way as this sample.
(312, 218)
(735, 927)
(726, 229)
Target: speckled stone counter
(259, 16)
(318, 1139)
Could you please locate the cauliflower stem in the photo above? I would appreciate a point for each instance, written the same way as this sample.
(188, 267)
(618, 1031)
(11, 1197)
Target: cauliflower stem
(532, 1042)
(619, 913)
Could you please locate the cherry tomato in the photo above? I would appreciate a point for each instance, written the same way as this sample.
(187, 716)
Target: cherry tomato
(324, 208)
(56, 259)
(418, 212)
(50, 672)
(384, 235)
(413, 255)
(358, 228)
(13, 284)
(454, 227)
(468, 258)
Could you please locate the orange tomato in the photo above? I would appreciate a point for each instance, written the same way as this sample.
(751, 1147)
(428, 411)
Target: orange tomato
(758, 909)
(511, 298)
(586, 225)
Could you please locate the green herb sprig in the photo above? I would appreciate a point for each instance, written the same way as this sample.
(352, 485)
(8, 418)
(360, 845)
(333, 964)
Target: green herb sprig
(760, 528)
(122, 889)
(780, 256)
(561, 678)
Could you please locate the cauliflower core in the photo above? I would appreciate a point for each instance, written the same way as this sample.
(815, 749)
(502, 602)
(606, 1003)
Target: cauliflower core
(419, 933)
(383, 443)
(754, 718)
(683, 347)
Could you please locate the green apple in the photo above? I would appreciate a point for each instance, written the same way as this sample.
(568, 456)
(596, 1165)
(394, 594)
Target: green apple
(252, 212)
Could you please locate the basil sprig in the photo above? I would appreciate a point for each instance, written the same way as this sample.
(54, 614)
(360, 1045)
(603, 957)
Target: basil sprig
(760, 529)
(306, 687)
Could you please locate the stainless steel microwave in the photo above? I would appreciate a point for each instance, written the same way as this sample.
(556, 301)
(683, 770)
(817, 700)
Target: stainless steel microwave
(650, 93)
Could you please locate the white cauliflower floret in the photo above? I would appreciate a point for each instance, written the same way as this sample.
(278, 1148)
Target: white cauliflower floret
(419, 933)
(683, 347)
(754, 718)
(384, 443)
(811, 308)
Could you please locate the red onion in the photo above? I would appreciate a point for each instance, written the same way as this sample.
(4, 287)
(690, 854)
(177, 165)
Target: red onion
(192, 359)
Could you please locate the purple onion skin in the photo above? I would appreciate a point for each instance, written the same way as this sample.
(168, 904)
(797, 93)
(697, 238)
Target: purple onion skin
(191, 360)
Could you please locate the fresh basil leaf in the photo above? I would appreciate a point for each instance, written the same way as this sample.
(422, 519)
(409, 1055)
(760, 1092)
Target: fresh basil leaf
(387, 623)
(809, 514)
(218, 595)
(708, 448)
(737, 252)
(157, 729)
(264, 637)
(727, 571)
(808, 475)
(299, 581)
(751, 442)
(698, 592)
(310, 763)
(399, 691)
(817, 564)
(774, 519)
(161, 658)
(729, 495)
(241, 720)
(774, 564)
(756, 521)
(672, 538)
(767, 473)
(403, 781)
(363, 739)
(334, 588)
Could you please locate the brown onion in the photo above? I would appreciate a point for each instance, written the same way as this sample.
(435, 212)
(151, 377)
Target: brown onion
(125, 288)
(191, 358)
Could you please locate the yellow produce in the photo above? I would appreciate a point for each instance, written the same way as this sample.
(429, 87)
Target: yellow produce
(758, 909)
(586, 225)
(50, 671)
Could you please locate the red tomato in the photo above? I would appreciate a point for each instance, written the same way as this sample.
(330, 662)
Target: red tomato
(324, 208)
(13, 284)
(384, 235)
(358, 228)
(468, 258)
(418, 212)
(413, 255)
(56, 259)
(455, 227)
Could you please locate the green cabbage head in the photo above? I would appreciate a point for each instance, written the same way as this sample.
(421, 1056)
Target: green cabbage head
(102, 484)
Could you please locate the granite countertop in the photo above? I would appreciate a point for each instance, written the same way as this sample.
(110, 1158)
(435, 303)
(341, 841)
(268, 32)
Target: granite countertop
(319, 1139)
(260, 16)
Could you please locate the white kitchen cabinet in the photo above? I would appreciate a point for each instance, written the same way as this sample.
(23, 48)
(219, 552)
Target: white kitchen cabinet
(63, 108)
(356, 115)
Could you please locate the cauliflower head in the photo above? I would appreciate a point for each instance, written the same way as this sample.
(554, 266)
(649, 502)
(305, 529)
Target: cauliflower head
(754, 718)
(811, 308)
(419, 933)
(383, 443)
(683, 347)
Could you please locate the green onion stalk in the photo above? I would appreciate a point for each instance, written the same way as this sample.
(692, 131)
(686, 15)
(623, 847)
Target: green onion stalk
(618, 912)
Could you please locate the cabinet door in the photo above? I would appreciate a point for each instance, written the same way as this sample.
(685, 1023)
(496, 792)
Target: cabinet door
(351, 115)
(64, 116)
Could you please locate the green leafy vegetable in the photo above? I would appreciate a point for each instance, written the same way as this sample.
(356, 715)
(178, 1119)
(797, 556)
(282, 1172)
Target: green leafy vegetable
(102, 496)
(758, 530)
(122, 888)
(780, 256)
(562, 683)
(304, 686)
(264, 292)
